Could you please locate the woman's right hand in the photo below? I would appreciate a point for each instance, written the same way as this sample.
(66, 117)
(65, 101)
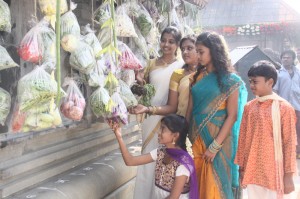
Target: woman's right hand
(138, 109)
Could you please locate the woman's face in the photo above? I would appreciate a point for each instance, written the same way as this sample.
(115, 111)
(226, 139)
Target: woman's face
(204, 55)
(189, 53)
(168, 44)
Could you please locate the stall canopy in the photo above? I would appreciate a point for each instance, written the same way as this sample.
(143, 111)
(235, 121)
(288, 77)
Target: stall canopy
(243, 58)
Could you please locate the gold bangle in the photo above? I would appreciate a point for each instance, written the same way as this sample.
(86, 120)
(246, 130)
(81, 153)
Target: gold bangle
(154, 110)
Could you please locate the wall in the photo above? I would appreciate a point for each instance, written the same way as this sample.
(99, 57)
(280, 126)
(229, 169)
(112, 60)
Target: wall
(29, 161)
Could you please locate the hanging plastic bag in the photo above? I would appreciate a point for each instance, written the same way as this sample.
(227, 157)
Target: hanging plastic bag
(100, 102)
(127, 95)
(5, 60)
(102, 13)
(35, 89)
(83, 58)
(141, 43)
(128, 76)
(111, 83)
(5, 103)
(69, 43)
(5, 17)
(74, 102)
(48, 7)
(127, 59)
(69, 23)
(38, 43)
(124, 25)
(94, 76)
(36, 118)
(91, 39)
(119, 111)
(144, 21)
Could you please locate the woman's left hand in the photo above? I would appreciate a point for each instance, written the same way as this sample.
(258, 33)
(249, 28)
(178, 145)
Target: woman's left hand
(208, 156)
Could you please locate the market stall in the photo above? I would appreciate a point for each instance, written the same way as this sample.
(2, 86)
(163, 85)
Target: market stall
(61, 81)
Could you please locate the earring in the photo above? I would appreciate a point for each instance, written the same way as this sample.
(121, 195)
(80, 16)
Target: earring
(173, 142)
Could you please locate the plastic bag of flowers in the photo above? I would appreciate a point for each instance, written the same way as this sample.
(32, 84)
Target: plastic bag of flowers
(127, 59)
(119, 111)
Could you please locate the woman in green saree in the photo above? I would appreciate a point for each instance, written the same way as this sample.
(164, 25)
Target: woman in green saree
(215, 109)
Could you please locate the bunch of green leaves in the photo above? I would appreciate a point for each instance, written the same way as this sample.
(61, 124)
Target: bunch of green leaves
(150, 92)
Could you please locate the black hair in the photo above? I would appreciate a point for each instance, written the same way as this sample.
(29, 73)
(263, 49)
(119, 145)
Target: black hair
(288, 52)
(177, 123)
(219, 55)
(173, 31)
(264, 69)
(191, 38)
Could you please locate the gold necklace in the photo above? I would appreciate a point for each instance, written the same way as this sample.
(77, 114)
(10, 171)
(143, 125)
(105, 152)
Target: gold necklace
(167, 63)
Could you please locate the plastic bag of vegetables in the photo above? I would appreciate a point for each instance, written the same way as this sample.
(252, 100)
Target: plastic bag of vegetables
(69, 43)
(5, 60)
(124, 25)
(102, 13)
(96, 77)
(83, 58)
(144, 21)
(38, 43)
(69, 23)
(5, 103)
(128, 76)
(127, 59)
(111, 83)
(41, 120)
(5, 17)
(127, 95)
(73, 105)
(118, 111)
(100, 102)
(37, 118)
(91, 39)
(48, 7)
(36, 88)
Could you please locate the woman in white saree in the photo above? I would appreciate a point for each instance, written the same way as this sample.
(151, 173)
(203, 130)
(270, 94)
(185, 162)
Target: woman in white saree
(158, 73)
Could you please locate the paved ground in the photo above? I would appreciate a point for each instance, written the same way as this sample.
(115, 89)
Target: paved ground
(296, 193)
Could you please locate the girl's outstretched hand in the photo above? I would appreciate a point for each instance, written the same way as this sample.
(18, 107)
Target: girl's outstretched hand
(115, 126)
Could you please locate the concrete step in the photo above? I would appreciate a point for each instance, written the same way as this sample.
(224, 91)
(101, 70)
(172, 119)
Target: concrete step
(25, 171)
(104, 177)
(33, 160)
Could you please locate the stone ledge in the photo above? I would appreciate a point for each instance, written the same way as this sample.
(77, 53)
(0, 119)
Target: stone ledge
(97, 179)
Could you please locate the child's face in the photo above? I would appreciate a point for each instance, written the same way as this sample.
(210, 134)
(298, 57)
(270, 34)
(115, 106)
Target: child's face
(260, 86)
(165, 136)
